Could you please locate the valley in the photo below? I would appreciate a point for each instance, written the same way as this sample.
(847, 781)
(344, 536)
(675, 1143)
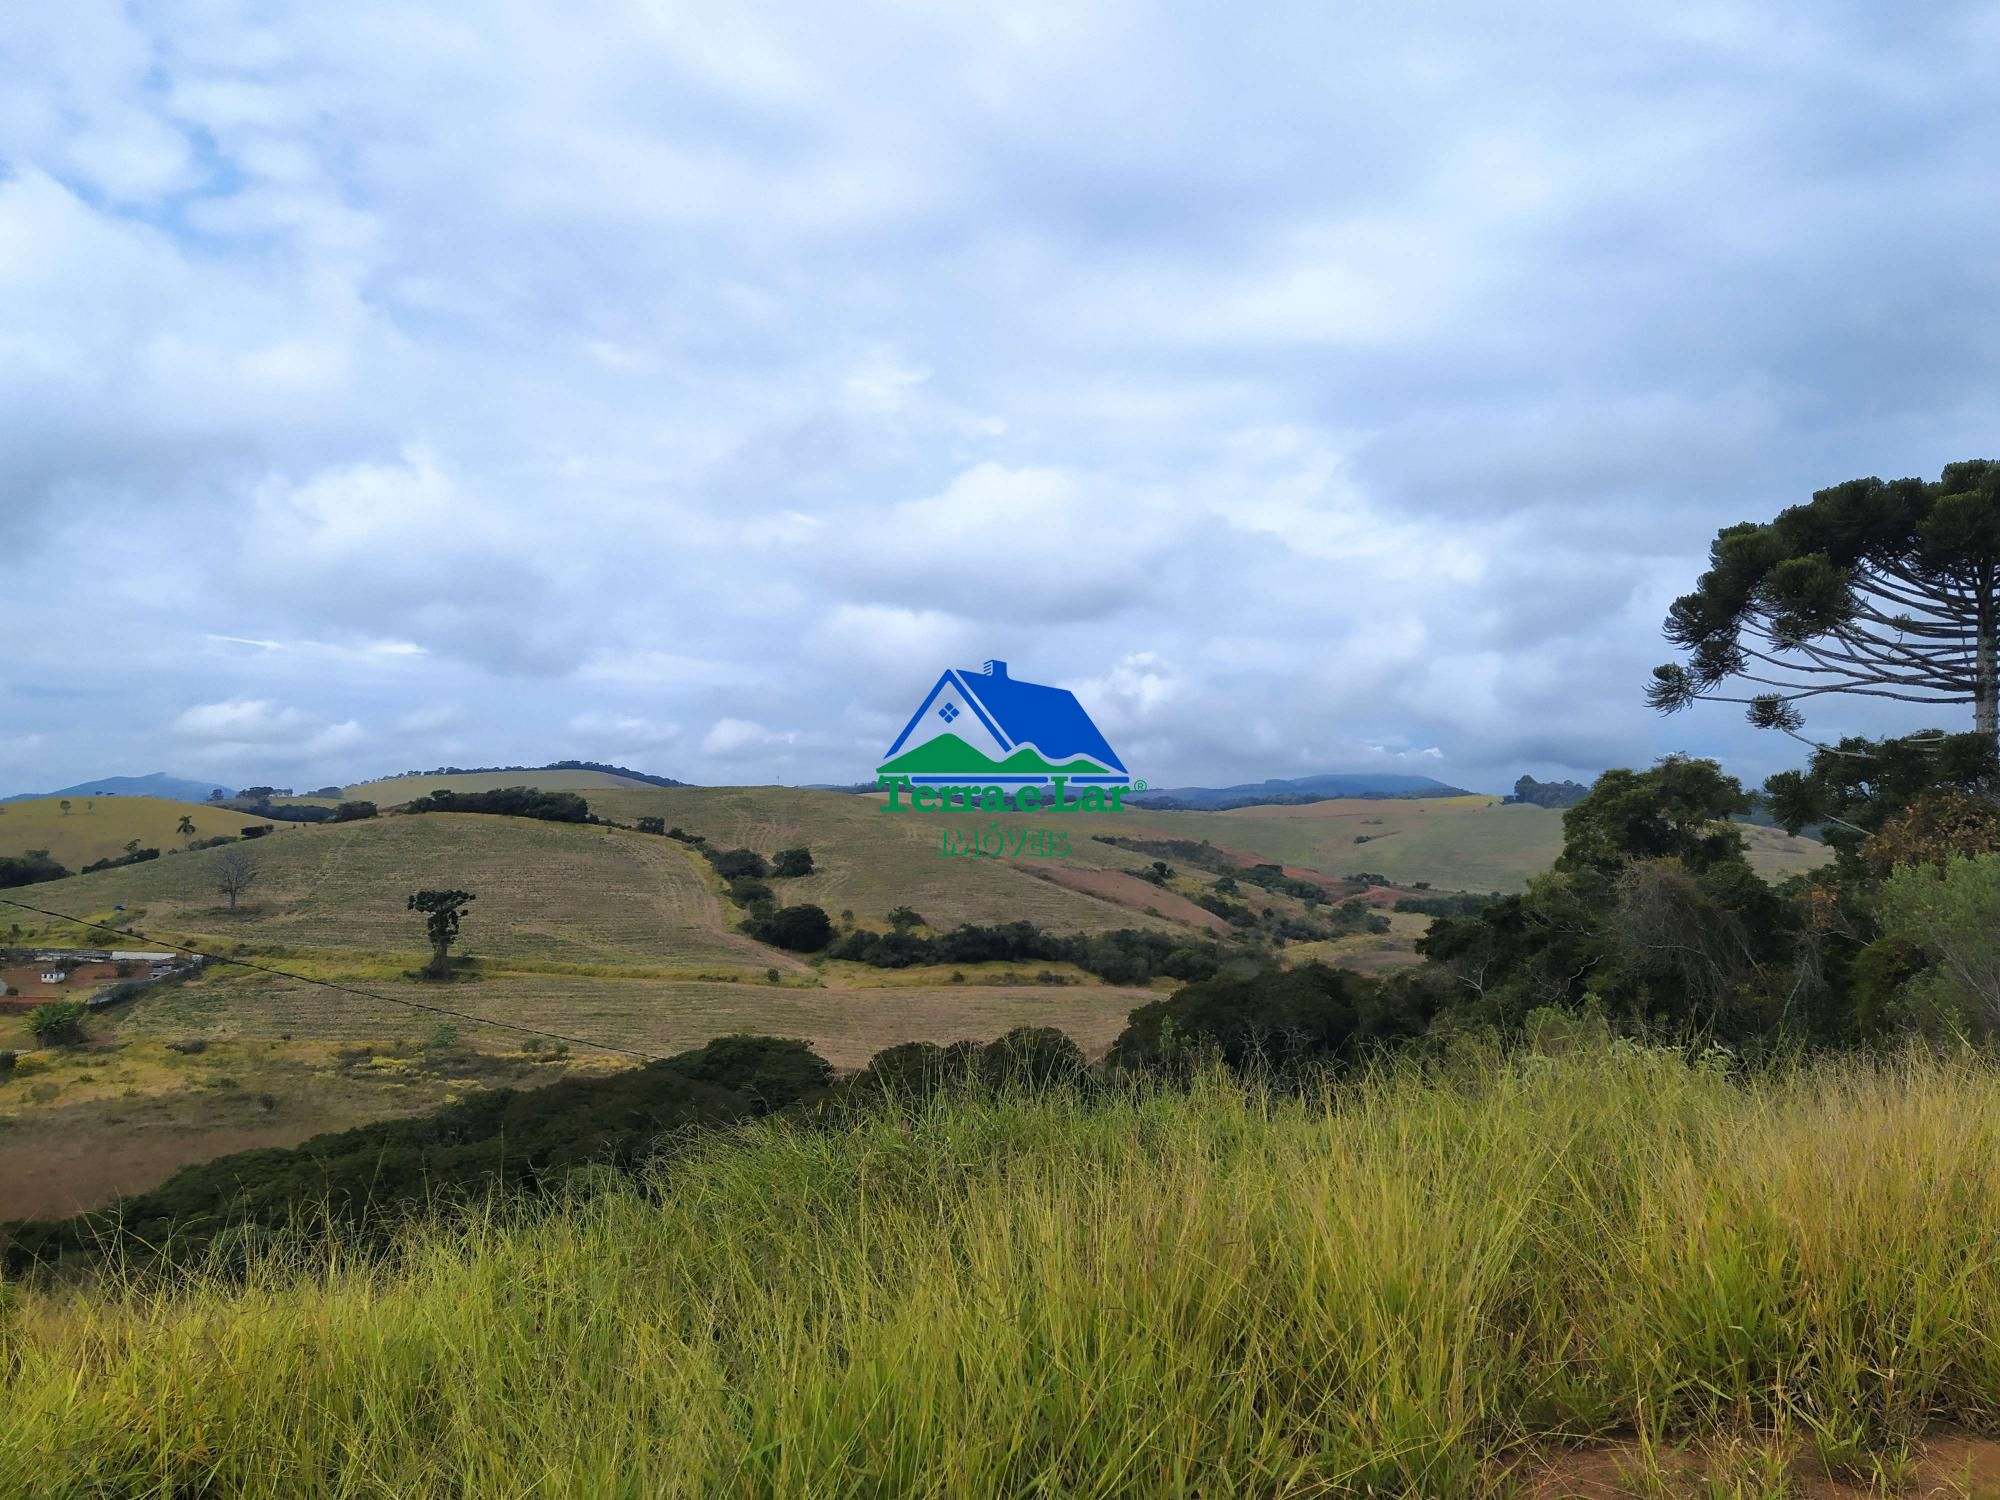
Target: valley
(628, 940)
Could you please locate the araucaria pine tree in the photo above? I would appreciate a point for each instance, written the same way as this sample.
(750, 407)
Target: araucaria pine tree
(1881, 589)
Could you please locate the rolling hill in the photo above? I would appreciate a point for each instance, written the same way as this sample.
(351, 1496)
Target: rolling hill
(392, 790)
(97, 828)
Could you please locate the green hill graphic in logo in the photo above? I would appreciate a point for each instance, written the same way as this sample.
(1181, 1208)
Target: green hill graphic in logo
(948, 755)
(989, 729)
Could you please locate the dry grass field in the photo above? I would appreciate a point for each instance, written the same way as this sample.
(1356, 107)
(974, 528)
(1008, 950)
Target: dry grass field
(658, 1017)
(97, 828)
(1455, 843)
(546, 891)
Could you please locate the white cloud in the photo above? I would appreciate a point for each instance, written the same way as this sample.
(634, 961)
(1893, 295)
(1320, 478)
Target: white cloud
(623, 730)
(243, 719)
(1292, 383)
(728, 737)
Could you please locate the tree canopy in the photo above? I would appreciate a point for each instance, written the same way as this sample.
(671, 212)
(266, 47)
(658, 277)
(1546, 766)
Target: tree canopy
(1885, 589)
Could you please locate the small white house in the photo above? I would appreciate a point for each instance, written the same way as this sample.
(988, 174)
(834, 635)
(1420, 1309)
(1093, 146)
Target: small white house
(54, 976)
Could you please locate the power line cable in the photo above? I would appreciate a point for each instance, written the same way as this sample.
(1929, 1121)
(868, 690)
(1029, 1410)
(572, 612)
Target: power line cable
(328, 984)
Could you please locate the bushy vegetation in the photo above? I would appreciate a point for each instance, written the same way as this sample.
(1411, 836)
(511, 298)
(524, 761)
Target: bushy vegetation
(28, 868)
(1277, 1020)
(129, 857)
(799, 929)
(510, 801)
(1126, 956)
(1397, 1287)
(1454, 904)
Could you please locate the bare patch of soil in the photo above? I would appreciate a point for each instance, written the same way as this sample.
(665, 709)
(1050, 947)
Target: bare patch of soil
(44, 1175)
(1948, 1467)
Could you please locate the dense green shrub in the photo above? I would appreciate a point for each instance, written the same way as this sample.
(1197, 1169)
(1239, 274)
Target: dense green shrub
(136, 857)
(511, 801)
(1033, 1057)
(354, 812)
(27, 869)
(790, 864)
(800, 929)
(1126, 956)
(736, 864)
(1275, 1019)
(918, 1069)
(1460, 904)
(771, 1072)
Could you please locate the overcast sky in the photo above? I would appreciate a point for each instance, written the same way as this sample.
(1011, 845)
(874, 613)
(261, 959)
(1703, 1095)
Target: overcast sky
(1315, 387)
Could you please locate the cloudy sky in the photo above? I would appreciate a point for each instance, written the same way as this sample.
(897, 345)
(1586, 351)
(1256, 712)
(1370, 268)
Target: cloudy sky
(1312, 387)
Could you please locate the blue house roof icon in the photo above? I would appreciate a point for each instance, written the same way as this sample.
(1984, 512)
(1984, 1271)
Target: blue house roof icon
(1016, 715)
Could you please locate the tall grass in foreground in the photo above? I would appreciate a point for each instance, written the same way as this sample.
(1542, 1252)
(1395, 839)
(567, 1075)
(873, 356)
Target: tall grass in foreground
(1392, 1288)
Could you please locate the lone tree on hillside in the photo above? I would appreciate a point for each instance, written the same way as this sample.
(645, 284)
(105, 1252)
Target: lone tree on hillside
(235, 873)
(442, 912)
(64, 805)
(1885, 590)
(185, 828)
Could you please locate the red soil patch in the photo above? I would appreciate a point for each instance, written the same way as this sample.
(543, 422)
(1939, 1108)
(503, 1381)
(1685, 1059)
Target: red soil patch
(1130, 891)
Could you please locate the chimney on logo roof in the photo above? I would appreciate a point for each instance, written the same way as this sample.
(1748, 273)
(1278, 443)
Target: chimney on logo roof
(996, 669)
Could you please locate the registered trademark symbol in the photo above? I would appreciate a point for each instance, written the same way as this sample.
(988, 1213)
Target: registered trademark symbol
(1139, 786)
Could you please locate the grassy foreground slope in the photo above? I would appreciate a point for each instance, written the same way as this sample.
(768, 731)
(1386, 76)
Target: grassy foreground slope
(1412, 1286)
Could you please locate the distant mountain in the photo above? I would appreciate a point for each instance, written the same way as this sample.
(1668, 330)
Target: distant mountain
(159, 784)
(1296, 789)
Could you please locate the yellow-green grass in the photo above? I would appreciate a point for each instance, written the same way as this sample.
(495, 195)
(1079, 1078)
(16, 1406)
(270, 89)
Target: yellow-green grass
(1412, 1286)
(99, 827)
(847, 1026)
